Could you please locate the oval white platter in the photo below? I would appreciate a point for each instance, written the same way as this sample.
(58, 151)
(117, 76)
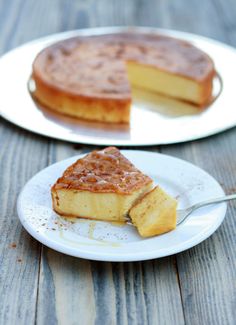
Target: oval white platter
(106, 241)
(155, 119)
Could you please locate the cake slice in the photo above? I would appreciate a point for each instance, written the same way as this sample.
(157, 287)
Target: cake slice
(103, 185)
(154, 213)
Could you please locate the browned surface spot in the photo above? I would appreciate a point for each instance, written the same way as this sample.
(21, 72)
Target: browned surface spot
(103, 171)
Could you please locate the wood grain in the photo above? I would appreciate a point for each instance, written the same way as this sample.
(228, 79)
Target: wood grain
(67, 283)
(227, 13)
(207, 271)
(39, 285)
(19, 253)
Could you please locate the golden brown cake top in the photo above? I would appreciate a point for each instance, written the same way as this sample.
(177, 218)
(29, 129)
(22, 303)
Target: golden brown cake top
(105, 171)
(95, 65)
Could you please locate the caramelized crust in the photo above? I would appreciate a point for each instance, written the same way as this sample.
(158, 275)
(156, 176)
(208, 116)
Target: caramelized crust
(95, 66)
(105, 171)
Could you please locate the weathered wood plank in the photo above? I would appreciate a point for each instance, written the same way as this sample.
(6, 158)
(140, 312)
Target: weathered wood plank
(19, 253)
(195, 17)
(111, 293)
(67, 284)
(22, 154)
(207, 272)
(227, 12)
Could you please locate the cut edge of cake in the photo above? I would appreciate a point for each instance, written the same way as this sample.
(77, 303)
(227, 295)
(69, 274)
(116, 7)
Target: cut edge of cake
(155, 213)
(171, 85)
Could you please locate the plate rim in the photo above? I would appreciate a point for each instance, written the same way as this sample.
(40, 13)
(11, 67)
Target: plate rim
(107, 257)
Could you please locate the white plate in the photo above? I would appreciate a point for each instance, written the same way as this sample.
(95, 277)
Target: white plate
(110, 242)
(154, 119)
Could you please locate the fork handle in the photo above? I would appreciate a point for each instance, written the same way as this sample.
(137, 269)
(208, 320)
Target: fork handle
(217, 200)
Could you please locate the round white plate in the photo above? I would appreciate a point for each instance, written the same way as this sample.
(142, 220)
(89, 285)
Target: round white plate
(154, 120)
(106, 241)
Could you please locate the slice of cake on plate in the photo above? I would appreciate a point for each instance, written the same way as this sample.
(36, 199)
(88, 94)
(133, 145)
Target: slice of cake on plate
(154, 213)
(103, 185)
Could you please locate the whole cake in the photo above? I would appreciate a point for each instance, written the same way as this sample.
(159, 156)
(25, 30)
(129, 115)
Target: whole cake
(90, 77)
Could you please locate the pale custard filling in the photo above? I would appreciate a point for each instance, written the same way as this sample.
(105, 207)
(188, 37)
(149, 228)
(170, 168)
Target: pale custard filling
(149, 78)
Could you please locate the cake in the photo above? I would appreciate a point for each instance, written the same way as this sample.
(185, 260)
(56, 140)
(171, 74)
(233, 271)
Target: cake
(154, 213)
(103, 185)
(90, 77)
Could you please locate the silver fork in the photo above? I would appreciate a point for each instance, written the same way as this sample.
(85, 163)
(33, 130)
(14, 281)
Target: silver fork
(183, 214)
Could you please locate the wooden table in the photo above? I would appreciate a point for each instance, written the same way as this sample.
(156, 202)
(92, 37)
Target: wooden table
(39, 285)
